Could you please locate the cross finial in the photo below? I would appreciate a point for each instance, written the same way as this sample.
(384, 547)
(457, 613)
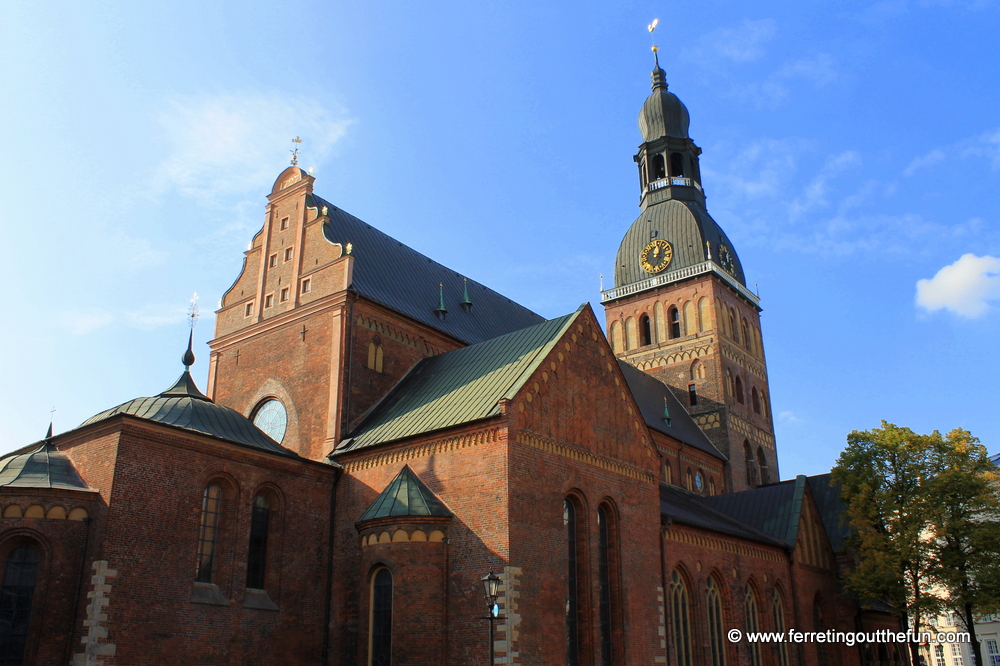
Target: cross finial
(193, 311)
(651, 27)
(295, 153)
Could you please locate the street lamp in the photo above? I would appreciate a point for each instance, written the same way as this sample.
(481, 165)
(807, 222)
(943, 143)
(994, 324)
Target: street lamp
(491, 585)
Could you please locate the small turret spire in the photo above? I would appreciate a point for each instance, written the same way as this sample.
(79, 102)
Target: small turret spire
(441, 310)
(466, 301)
(188, 358)
(659, 76)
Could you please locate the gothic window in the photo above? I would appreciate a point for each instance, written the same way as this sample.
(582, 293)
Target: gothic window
(676, 164)
(674, 317)
(376, 355)
(690, 321)
(680, 622)
(657, 168)
(631, 335)
(697, 370)
(692, 394)
(738, 385)
(823, 658)
(762, 464)
(747, 341)
(645, 332)
(764, 407)
(380, 632)
(617, 342)
(689, 480)
(607, 576)
(715, 623)
(16, 595)
(711, 486)
(661, 323)
(572, 584)
(730, 389)
(751, 464)
(668, 473)
(733, 332)
(778, 609)
(755, 399)
(753, 624)
(704, 315)
(260, 522)
(208, 537)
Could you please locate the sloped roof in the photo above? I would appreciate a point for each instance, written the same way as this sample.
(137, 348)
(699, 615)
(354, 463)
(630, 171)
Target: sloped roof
(400, 278)
(459, 386)
(43, 467)
(406, 495)
(184, 406)
(686, 508)
(773, 509)
(650, 395)
(832, 510)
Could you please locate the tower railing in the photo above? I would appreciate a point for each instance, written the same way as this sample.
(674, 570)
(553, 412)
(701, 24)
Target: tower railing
(676, 276)
(672, 180)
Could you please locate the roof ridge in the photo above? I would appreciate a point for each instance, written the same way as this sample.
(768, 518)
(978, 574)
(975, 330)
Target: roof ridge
(544, 350)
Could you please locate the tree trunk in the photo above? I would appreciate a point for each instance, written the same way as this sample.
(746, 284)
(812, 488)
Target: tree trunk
(970, 624)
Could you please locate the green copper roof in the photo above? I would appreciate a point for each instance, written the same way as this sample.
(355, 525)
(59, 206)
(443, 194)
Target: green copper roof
(43, 467)
(459, 386)
(774, 509)
(406, 495)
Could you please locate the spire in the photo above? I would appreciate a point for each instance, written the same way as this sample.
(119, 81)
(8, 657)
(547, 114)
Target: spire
(466, 301)
(659, 76)
(666, 411)
(185, 385)
(48, 435)
(441, 310)
(188, 358)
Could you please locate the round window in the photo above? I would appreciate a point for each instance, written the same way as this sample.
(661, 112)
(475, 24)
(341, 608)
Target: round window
(272, 419)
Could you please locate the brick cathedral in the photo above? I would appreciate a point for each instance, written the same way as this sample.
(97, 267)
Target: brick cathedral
(379, 432)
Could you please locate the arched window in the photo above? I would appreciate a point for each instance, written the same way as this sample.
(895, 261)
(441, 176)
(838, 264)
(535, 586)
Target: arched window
(689, 480)
(617, 341)
(645, 332)
(260, 523)
(747, 340)
(668, 473)
(753, 624)
(751, 464)
(674, 317)
(715, 623)
(657, 168)
(680, 621)
(380, 627)
(631, 335)
(765, 475)
(730, 388)
(607, 566)
(660, 322)
(739, 390)
(18, 591)
(755, 400)
(778, 609)
(764, 407)
(572, 585)
(676, 164)
(704, 315)
(690, 320)
(375, 354)
(697, 370)
(733, 332)
(822, 657)
(208, 537)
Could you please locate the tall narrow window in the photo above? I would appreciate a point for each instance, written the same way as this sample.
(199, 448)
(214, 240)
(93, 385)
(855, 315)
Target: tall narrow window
(260, 519)
(755, 399)
(730, 389)
(822, 656)
(765, 474)
(779, 627)
(676, 164)
(704, 316)
(715, 623)
(16, 596)
(657, 168)
(380, 651)
(747, 342)
(572, 610)
(751, 465)
(739, 391)
(753, 625)
(692, 394)
(690, 319)
(604, 575)
(680, 621)
(674, 317)
(617, 340)
(733, 332)
(645, 331)
(208, 538)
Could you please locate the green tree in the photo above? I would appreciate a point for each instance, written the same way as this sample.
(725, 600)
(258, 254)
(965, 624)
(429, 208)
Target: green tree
(882, 474)
(965, 524)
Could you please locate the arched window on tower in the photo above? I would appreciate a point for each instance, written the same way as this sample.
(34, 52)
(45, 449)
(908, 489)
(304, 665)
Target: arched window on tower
(751, 464)
(755, 400)
(747, 341)
(660, 322)
(704, 315)
(631, 334)
(715, 622)
(730, 388)
(697, 370)
(380, 627)
(617, 339)
(738, 385)
(733, 331)
(645, 331)
(674, 318)
(680, 620)
(765, 474)
(690, 321)
(657, 168)
(16, 595)
(676, 164)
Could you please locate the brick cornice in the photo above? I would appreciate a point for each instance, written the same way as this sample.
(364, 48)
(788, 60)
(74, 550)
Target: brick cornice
(580, 454)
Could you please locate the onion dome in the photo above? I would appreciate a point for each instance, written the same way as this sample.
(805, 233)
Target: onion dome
(184, 406)
(42, 467)
(663, 114)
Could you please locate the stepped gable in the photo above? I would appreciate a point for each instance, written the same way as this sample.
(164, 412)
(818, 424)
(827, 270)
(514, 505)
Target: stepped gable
(652, 396)
(405, 496)
(401, 279)
(459, 386)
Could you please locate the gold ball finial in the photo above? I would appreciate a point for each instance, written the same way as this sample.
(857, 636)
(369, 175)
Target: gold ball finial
(656, 49)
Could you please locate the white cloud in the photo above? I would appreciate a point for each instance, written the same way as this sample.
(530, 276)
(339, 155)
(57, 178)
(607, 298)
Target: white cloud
(815, 192)
(986, 145)
(930, 159)
(226, 144)
(80, 323)
(965, 287)
(744, 43)
(788, 417)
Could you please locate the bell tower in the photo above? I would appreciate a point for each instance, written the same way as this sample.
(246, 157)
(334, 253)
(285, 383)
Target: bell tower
(680, 309)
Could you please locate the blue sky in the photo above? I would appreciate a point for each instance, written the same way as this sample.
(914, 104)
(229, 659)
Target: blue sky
(851, 151)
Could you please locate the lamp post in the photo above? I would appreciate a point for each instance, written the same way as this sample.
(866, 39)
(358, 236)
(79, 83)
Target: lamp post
(491, 585)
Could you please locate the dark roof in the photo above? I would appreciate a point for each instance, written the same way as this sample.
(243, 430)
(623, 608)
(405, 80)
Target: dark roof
(400, 278)
(650, 395)
(184, 406)
(832, 510)
(406, 495)
(686, 508)
(459, 386)
(773, 509)
(43, 467)
(663, 114)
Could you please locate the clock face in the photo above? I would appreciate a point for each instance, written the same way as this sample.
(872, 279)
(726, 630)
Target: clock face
(272, 419)
(726, 259)
(656, 256)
